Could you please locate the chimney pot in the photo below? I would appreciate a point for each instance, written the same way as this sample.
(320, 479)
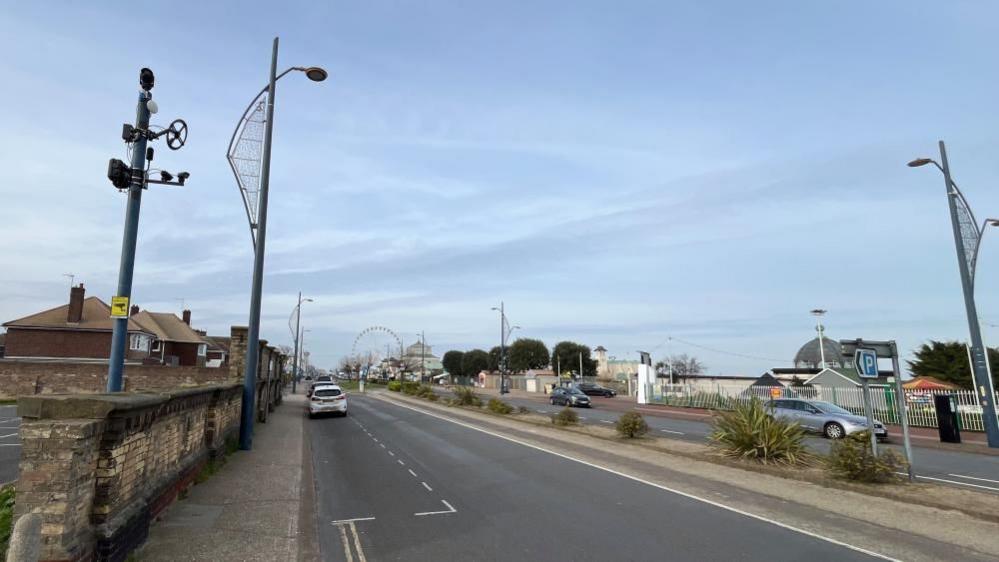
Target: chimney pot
(135, 310)
(187, 317)
(75, 312)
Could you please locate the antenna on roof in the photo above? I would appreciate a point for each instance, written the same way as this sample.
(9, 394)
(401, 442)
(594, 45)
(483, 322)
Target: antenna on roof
(71, 278)
(181, 299)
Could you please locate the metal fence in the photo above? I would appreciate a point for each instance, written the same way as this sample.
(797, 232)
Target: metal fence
(884, 401)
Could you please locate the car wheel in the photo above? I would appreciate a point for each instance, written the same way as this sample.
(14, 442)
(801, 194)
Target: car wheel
(834, 431)
(552, 401)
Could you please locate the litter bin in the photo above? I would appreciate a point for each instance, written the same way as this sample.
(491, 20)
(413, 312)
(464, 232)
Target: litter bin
(946, 407)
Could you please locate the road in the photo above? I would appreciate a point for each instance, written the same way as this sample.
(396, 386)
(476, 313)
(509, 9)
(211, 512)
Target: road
(10, 444)
(396, 484)
(954, 468)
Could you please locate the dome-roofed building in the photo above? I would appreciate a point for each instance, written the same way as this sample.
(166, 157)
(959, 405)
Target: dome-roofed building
(809, 356)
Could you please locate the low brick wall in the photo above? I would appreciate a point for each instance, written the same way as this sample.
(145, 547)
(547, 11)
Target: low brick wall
(27, 378)
(100, 467)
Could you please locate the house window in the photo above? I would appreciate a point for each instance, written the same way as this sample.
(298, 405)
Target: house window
(156, 345)
(202, 350)
(138, 342)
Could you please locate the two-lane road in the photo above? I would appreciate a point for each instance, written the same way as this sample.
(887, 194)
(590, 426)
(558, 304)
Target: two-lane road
(397, 484)
(10, 443)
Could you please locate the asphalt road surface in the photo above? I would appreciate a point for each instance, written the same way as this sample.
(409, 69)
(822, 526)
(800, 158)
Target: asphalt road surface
(10, 444)
(396, 484)
(968, 470)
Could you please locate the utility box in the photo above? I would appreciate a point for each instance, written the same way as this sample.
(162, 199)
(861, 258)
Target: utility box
(946, 406)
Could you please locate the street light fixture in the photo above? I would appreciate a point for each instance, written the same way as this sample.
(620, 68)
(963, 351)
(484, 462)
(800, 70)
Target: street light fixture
(249, 156)
(967, 240)
(505, 331)
(297, 336)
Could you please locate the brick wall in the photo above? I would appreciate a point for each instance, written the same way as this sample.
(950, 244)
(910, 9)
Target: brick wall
(62, 343)
(25, 378)
(100, 468)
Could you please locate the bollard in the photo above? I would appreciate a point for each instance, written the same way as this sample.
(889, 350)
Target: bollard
(26, 539)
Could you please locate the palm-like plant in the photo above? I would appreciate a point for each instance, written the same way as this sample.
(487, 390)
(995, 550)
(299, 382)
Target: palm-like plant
(750, 431)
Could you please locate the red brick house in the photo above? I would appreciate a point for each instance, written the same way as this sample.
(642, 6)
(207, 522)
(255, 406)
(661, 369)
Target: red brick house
(78, 330)
(175, 343)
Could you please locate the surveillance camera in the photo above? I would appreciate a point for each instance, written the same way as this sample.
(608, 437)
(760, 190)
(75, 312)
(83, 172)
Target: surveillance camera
(151, 106)
(146, 79)
(182, 177)
(165, 175)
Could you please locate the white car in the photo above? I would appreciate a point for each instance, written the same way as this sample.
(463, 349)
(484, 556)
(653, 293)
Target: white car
(327, 399)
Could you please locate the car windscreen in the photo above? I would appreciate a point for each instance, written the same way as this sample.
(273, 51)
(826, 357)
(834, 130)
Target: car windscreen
(575, 391)
(828, 408)
(328, 392)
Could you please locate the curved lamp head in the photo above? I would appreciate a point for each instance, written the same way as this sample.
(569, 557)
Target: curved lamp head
(920, 162)
(315, 73)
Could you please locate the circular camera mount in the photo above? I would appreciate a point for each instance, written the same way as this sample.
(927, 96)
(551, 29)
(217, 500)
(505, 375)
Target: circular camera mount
(176, 135)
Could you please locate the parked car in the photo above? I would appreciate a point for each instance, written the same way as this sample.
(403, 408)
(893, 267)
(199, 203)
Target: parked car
(326, 399)
(569, 397)
(592, 389)
(825, 418)
(324, 379)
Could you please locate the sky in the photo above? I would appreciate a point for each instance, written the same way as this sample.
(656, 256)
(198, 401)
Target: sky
(677, 177)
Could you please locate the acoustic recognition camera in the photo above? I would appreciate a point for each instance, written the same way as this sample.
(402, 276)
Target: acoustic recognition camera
(146, 79)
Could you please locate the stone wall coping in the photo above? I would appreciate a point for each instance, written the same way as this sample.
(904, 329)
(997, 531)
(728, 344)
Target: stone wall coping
(100, 406)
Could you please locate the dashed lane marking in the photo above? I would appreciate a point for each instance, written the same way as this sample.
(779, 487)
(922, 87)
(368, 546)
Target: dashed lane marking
(413, 473)
(400, 462)
(391, 453)
(673, 432)
(425, 485)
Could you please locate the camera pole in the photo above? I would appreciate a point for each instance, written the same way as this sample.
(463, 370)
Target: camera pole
(116, 362)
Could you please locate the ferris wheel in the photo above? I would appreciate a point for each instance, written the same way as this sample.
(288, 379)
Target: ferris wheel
(373, 345)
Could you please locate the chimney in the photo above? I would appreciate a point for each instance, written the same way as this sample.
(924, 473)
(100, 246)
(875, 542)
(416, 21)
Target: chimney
(134, 310)
(75, 313)
(187, 317)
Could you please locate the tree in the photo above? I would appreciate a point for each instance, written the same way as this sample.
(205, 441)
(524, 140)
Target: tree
(452, 363)
(566, 355)
(473, 362)
(948, 361)
(683, 366)
(494, 358)
(526, 353)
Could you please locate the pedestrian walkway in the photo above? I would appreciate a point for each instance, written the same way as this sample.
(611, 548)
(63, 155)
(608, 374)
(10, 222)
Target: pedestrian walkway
(252, 509)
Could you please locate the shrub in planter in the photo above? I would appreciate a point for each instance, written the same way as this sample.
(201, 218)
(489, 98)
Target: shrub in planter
(851, 458)
(424, 390)
(749, 431)
(631, 425)
(395, 386)
(410, 387)
(464, 396)
(498, 406)
(566, 417)
(433, 397)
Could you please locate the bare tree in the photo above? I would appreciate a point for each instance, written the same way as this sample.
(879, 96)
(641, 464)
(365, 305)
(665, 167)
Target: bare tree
(683, 366)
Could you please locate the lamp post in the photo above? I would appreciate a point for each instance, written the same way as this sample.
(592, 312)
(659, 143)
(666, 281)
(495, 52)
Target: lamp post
(818, 313)
(505, 331)
(967, 240)
(297, 334)
(249, 156)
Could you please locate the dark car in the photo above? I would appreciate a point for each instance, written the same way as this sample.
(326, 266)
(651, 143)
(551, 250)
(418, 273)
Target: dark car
(591, 389)
(569, 397)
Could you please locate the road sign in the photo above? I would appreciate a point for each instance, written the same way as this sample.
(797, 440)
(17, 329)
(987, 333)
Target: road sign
(866, 362)
(119, 307)
(775, 393)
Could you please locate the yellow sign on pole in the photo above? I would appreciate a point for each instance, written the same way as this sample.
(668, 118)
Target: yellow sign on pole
(775, 393)
(119, 307)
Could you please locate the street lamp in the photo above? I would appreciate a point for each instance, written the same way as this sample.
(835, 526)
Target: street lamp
(297, 335)
(505, 331)
(249, 156)
(818, 313)
(967, 240)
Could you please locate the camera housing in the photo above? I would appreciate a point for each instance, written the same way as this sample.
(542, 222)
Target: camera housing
(146, 79)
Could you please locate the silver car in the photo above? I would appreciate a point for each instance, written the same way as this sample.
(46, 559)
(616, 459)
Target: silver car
(825, 418)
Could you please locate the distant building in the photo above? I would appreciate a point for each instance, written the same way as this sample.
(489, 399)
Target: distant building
(419, 360)
(3, 342)
(610, 368)
(175, 343)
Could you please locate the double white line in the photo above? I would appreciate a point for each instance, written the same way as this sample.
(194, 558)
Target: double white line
(349, 537)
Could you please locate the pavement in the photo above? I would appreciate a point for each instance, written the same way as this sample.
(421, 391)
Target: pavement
(952, 467)
(394, 482)
(258, 507)
(10, 443)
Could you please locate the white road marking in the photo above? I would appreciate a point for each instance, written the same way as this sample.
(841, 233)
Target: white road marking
(391, 453)
(582, 418)
(450, 509)
(339, 521)
(346, 544)
(375, 439)
(8, 435)
(400, 462)
(357, 543)
(671, 431)
(973, 478)
(10, 444)
(993, 488)
(382, 445)
(413, 473)
(606, 421)
(654, 485)
(429, 489)
(542, 411)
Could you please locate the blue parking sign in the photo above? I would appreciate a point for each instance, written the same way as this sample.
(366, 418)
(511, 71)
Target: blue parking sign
(866, 362)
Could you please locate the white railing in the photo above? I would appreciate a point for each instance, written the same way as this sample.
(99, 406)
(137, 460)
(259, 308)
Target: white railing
(920, 407)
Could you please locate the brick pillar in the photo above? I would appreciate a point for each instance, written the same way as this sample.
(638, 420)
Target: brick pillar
(57, 480)
(263, 381)
(237, 351)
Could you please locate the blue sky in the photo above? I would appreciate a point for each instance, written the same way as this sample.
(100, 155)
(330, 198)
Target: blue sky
(616, 173)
